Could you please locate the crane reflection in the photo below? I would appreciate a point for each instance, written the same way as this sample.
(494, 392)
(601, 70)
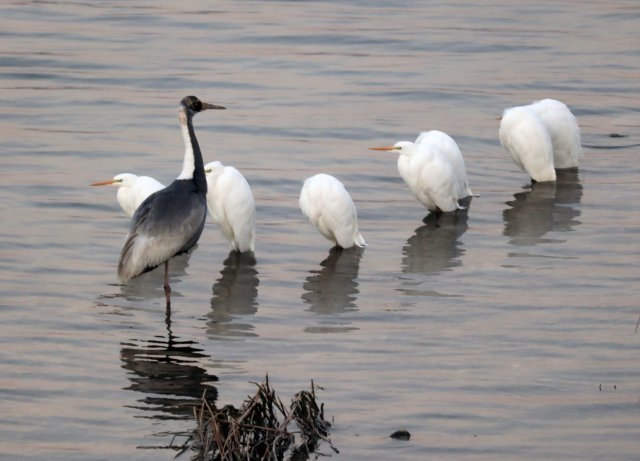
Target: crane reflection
(168, 372)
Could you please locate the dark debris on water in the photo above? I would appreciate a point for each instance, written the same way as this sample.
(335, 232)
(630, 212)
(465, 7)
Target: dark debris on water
(401, 435)
(260, 428)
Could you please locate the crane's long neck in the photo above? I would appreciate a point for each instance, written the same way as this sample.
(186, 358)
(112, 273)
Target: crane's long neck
(193, 165)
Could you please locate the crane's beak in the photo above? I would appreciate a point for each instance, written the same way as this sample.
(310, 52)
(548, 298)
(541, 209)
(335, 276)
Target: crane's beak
(103, 183)
(206, 105)
(499, 117)
(383, 148)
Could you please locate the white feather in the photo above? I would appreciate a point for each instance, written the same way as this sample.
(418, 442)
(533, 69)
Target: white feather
(231, 205)
(329, 207)
(446, 145)
(523, 134)
(434, 170)
(429, 175)
(188, 164)
(564, 131)
(541, 137)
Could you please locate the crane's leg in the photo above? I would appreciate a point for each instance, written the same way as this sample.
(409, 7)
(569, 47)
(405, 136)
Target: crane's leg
(167, 288)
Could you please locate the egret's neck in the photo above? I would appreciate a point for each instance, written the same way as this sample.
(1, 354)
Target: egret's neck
(123, 197)
(192, 166)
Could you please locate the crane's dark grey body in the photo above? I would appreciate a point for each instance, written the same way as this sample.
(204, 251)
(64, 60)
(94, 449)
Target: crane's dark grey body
(170, 221)
(161, 238)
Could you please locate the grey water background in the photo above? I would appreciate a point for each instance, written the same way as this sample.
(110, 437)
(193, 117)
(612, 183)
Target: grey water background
(504, 332)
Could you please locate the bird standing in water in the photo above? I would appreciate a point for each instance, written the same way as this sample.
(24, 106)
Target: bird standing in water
(170, 221)
(329, 207)
(231, 205)
(525, 137)
(433, 168)
(541, 137)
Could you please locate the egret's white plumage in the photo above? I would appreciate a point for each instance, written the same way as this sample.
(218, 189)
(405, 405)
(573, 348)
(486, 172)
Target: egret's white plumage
(231, 205)
(564, 131)
(434, 170)
(132, 189)
(329, 207)
(541, 137)
(447, 146)
(525, 137)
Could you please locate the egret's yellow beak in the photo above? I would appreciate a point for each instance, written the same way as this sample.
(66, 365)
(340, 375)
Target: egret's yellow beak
(103, 183)
(383, 148)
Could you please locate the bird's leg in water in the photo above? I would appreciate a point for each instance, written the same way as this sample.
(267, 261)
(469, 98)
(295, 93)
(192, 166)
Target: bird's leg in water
(167, 288)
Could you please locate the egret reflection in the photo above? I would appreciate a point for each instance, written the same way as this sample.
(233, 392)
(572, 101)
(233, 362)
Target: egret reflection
(435, 247)
(544, 207)
(234, 294)
(167, 371)
(333, 289)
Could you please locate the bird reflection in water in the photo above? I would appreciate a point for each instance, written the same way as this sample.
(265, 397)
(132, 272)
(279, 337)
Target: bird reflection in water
(167, 371)
(544, 207)
(234, 294)
(333, 289)
(149, 285)
(435, 247)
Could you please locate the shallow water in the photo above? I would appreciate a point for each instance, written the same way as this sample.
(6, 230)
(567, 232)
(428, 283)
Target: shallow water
(503, 332)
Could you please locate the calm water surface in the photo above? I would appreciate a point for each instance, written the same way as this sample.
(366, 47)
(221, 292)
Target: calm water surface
(503, 332)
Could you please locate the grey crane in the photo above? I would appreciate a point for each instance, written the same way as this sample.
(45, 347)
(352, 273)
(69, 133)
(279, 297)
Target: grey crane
(170, 221)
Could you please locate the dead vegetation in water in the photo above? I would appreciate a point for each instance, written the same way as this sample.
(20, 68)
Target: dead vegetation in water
(260, 428)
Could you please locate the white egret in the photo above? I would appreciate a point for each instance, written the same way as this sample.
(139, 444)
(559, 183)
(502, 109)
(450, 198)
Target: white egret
(170, 221)
(329, 207)
(447, 146)
(434, 170)
(541, 137)
(132, 189)
(231, 205)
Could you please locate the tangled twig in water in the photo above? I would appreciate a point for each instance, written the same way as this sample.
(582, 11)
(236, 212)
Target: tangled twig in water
(259, 429)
